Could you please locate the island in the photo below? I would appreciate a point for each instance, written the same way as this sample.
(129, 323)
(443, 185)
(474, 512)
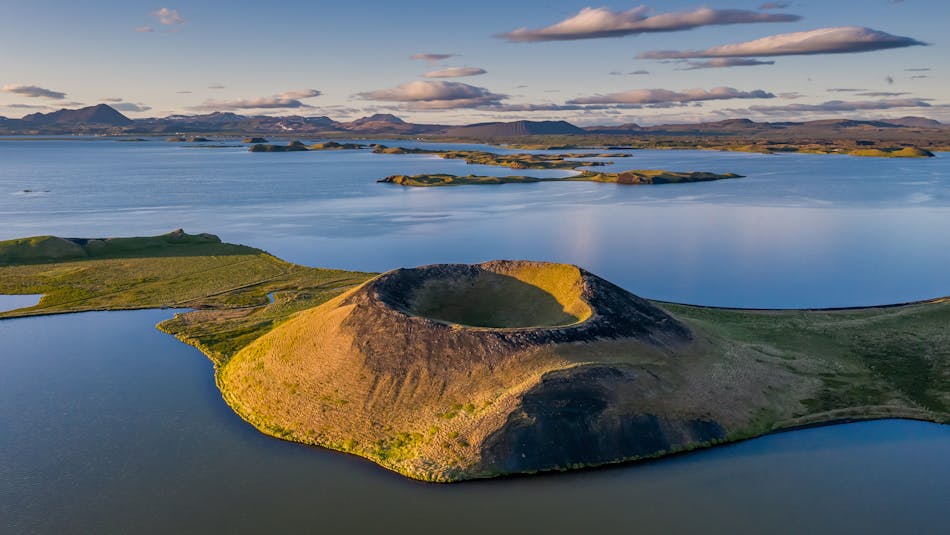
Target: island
(568, 161)
(183, 139)
(450, 372)
(635, 176)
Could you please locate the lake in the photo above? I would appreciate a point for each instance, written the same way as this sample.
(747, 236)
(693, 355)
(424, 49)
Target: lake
(108, 425)
(799, 231)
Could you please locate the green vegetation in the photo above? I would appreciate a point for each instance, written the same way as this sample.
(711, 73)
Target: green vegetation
(906, 152)
(513, 161)
(392, 368)
(636, 176)
(230, 283)
(333, 145)
(293, 146)
(529, 296)
(255, 140)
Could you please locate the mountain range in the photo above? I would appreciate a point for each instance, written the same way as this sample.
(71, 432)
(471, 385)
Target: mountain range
(104, 119)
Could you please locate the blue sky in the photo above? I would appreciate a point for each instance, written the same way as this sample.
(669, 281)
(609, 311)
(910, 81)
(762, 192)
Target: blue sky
(356, 55)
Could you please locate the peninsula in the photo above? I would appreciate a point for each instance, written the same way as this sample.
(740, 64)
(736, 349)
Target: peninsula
(452, 372)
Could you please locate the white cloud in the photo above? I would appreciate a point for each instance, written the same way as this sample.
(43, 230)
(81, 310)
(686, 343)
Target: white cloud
(130, 107)
(838, 40)
(285, 100)
(431, 58)
(720, 63)
(436, 95)
(300, 93)
(666, 96)
(592, 23)
(145, 29)
(839, 106)
(33, 91)
(168, 17)
(455, 72)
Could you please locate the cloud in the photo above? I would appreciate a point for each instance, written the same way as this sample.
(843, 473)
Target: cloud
(431, 58)
(719, 63)
(620, 73)
(774, 5)
(300, 93)
(285, 100)
(131, 107)
(842, 106)
(455, 72)
(882, 94)
(666, 96)
(844, 90)
(33, 91)
(145, 29)
(217, 86)
(593, 23)
(436, 95)
(918, 69)
(838, 40)
(919, 76)
(110, 99)
(27, 106)
(183, 92)
(168, 17)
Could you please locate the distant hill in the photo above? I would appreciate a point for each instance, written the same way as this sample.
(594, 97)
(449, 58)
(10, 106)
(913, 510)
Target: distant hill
(101, 114)
(517, 128)
(104, 119)
(916, 122)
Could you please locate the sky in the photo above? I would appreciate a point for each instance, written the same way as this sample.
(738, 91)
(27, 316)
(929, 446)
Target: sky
(452, 62)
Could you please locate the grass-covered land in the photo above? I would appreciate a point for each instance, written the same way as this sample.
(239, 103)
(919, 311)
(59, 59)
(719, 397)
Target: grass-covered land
(453, 372)
(173, 270)
(873, 360)
(513, 161)
(767, 144)
(636, 176)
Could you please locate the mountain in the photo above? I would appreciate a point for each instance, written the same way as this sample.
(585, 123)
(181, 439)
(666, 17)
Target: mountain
(916, 122)
(101, 114)
(516, 128)
(103, 119)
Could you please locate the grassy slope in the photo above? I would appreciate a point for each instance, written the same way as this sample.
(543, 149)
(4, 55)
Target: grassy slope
(874, 357)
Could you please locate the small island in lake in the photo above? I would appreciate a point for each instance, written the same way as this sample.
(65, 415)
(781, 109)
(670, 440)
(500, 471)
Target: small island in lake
(636, 176)
(454, 371)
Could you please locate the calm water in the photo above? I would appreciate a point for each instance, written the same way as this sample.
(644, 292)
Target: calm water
(800, 231)
(109, 426)
(13, 302)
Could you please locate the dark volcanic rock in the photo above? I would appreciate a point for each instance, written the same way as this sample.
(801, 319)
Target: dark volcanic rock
(575, 419)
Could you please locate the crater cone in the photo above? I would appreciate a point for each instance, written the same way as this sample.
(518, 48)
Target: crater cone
(455, 371)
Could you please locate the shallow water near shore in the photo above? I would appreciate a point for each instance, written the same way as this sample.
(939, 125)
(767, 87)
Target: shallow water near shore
(108, 425)
(13, 302)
